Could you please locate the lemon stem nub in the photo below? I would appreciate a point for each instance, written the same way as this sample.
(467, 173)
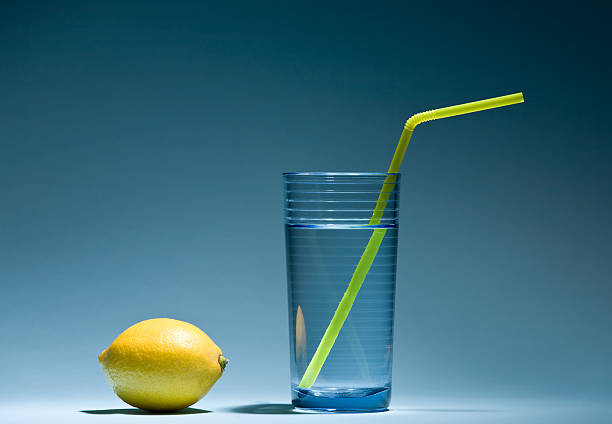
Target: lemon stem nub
(223, 362)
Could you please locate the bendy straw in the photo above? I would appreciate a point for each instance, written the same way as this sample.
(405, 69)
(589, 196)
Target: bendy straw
(367, 258)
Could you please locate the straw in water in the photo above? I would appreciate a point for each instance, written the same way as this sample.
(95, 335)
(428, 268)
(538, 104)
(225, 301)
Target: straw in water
(367, 258)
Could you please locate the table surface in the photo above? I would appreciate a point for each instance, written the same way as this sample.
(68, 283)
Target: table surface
(403, 410)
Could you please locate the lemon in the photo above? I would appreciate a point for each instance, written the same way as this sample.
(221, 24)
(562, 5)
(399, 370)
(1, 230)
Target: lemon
(162, 364)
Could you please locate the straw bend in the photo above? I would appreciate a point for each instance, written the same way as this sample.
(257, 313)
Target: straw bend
(419, 118)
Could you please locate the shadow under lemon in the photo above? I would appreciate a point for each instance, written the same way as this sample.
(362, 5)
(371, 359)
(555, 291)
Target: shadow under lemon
(136, 411)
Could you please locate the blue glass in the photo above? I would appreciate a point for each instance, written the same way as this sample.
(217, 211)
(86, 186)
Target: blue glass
(327, 229)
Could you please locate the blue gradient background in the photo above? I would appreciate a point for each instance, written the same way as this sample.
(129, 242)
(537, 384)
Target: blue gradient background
(141, 147)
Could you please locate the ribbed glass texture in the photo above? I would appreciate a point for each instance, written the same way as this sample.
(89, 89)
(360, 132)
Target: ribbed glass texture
(327, 227)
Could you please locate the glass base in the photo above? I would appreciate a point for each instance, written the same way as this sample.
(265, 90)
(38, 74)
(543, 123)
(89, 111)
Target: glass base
(374, 399)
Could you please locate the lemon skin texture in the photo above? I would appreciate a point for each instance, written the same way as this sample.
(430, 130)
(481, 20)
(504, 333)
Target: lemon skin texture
(162, 364)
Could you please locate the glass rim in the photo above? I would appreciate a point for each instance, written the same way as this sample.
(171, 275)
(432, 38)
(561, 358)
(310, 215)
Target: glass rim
(342, 174)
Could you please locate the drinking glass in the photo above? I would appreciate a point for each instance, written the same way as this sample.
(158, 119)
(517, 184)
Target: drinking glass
(327, 227)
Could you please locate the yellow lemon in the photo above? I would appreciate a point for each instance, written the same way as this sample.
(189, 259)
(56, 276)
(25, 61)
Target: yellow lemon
(162, 364)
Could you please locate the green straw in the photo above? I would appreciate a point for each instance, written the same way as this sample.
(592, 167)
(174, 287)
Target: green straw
(365, 262)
